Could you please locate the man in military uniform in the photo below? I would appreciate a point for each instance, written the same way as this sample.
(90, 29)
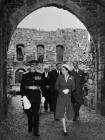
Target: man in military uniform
(31, 84)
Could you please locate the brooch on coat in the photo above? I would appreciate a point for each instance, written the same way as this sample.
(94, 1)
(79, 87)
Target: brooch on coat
(70, 78)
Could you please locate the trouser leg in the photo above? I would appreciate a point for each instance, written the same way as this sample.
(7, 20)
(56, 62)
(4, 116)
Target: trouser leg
(77, 109)
(50, 103)
(29, 116)
(36, 118)
(46, 103)
(49, 100)
(36, 123)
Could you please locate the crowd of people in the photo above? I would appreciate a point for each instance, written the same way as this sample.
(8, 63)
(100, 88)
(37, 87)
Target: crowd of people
(62, 89)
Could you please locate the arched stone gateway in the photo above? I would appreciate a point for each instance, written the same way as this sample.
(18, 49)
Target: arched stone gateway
(18, 75)
(91, 13)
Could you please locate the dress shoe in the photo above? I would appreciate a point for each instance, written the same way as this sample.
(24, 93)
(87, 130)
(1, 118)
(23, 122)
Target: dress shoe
(36, 134)
(65, 133)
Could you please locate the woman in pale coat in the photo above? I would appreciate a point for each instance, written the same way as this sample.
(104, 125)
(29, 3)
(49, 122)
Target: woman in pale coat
(65, 85)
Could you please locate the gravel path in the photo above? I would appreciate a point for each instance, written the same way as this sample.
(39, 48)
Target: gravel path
(90, 126)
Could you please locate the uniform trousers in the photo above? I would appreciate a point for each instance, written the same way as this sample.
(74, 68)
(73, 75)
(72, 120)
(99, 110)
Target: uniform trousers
(33, 117)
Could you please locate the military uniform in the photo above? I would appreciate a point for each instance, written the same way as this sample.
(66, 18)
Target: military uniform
(31, 84)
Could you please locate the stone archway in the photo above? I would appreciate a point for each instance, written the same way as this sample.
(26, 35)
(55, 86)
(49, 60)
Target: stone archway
(18, 75)
(90, 12)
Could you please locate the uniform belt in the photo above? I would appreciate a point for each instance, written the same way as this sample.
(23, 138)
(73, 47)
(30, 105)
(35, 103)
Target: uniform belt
(33, 87)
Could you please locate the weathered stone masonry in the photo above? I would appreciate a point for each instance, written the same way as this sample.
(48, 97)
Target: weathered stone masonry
(74, 43)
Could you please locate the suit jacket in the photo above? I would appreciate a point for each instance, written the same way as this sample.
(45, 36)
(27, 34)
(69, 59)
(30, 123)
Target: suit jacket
(79, 82)
(46, 82)
(53, 77)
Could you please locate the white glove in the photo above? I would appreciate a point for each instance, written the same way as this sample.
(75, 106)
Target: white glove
(42, 101)
(65, 91)
(26, 102)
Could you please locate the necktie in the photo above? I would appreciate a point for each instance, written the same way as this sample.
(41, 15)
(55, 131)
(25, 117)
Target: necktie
(46, 74)
(58, 72)
(76, 72)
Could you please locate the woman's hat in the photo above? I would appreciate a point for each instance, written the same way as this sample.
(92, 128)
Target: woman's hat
(66, 66)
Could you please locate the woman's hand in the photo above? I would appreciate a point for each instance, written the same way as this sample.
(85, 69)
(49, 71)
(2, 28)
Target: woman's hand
(65, 91)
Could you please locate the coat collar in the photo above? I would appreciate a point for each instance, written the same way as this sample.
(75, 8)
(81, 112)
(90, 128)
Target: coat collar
(69, 78)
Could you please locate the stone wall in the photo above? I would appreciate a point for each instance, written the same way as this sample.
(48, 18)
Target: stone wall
(75, 44)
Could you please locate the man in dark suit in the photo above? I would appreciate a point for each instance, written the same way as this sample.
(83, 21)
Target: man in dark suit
(54, 93)
(77, 95)
(31, 84)
(46, 89)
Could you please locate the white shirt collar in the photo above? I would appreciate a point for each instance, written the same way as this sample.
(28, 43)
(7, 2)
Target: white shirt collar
(58, 71)
(76, 70)
(46, 74)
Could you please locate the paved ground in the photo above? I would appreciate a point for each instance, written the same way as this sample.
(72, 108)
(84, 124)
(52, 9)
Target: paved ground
(90, 126)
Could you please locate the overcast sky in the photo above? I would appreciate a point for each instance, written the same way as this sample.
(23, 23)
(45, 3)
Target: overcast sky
(51, 18)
